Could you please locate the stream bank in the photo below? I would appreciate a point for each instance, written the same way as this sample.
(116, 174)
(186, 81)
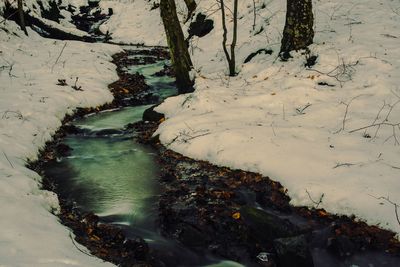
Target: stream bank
(105, 241)
(233, 214)
(246, 217)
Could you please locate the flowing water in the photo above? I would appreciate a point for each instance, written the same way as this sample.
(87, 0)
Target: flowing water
(108, 173)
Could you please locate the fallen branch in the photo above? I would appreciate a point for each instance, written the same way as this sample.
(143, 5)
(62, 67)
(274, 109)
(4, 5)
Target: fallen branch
(341, 73)
(346, 112)
(74, 243)
(343, 164)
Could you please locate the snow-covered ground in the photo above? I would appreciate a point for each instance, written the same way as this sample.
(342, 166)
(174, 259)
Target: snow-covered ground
(31, 109)
(273, 118)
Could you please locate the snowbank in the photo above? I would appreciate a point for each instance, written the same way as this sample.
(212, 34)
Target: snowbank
(282, 119)
(134, 22)
(295, 124)
(31, 109)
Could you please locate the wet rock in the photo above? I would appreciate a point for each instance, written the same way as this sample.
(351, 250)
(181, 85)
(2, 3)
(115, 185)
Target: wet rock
(107, 132)
(191, 237)
(166, 71)
(151, 115)
(341, 246)
(63, 150)
(71, 129)
(293, 252)
(266, 227)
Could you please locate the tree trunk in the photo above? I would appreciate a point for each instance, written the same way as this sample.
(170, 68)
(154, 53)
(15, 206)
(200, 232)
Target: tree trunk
(21, 17)
(298, 32)
(177, 46)
(230, 57)
(191, 7)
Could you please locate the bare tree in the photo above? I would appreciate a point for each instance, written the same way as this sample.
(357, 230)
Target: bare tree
(177, 46)
(298, 32)
(21, 16)
(230, 57)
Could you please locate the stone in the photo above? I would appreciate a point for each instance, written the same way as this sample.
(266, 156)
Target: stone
(341, 246)
(265, 227)
(151, 115)
(201, 26)
(293, 252)
(107, 132)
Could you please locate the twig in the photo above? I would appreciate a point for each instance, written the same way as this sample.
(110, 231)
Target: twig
(62, 50)
(395, 205)
(376, 118)
(341, 73)
(73, 242)
(300, 110)
(376, 124)
(196, 136)
(343, 164)
(317, 203)
(5, 155)
(346, 112)
(273, 129)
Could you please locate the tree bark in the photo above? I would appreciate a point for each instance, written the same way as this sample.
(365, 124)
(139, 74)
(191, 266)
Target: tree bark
(191, 7)
(177, 46)
(298, 32)
(230, 57)
(21, 16)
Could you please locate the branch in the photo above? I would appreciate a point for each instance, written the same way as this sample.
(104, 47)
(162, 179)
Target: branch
(73, 242)
(317, 203)
(374, 125)
(395, 205)
(62, 50)
(346, 112)
(5, 155)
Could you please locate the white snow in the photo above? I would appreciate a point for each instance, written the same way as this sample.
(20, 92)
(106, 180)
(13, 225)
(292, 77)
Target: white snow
(272, 118)
(31, 109)
(255, 121)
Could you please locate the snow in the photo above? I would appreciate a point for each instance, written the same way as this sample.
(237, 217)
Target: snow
(255, 121)
(31, 109)
(134, 22)
(273, 118)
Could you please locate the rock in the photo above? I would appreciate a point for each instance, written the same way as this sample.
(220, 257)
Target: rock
(293, 252)
(341, 246)
(151, 115)
(107, 132)
(63, 150)
(192, 237)
(266, 227)
(201, 26)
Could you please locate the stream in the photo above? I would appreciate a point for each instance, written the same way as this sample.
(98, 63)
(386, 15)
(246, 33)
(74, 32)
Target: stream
(111, 175)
